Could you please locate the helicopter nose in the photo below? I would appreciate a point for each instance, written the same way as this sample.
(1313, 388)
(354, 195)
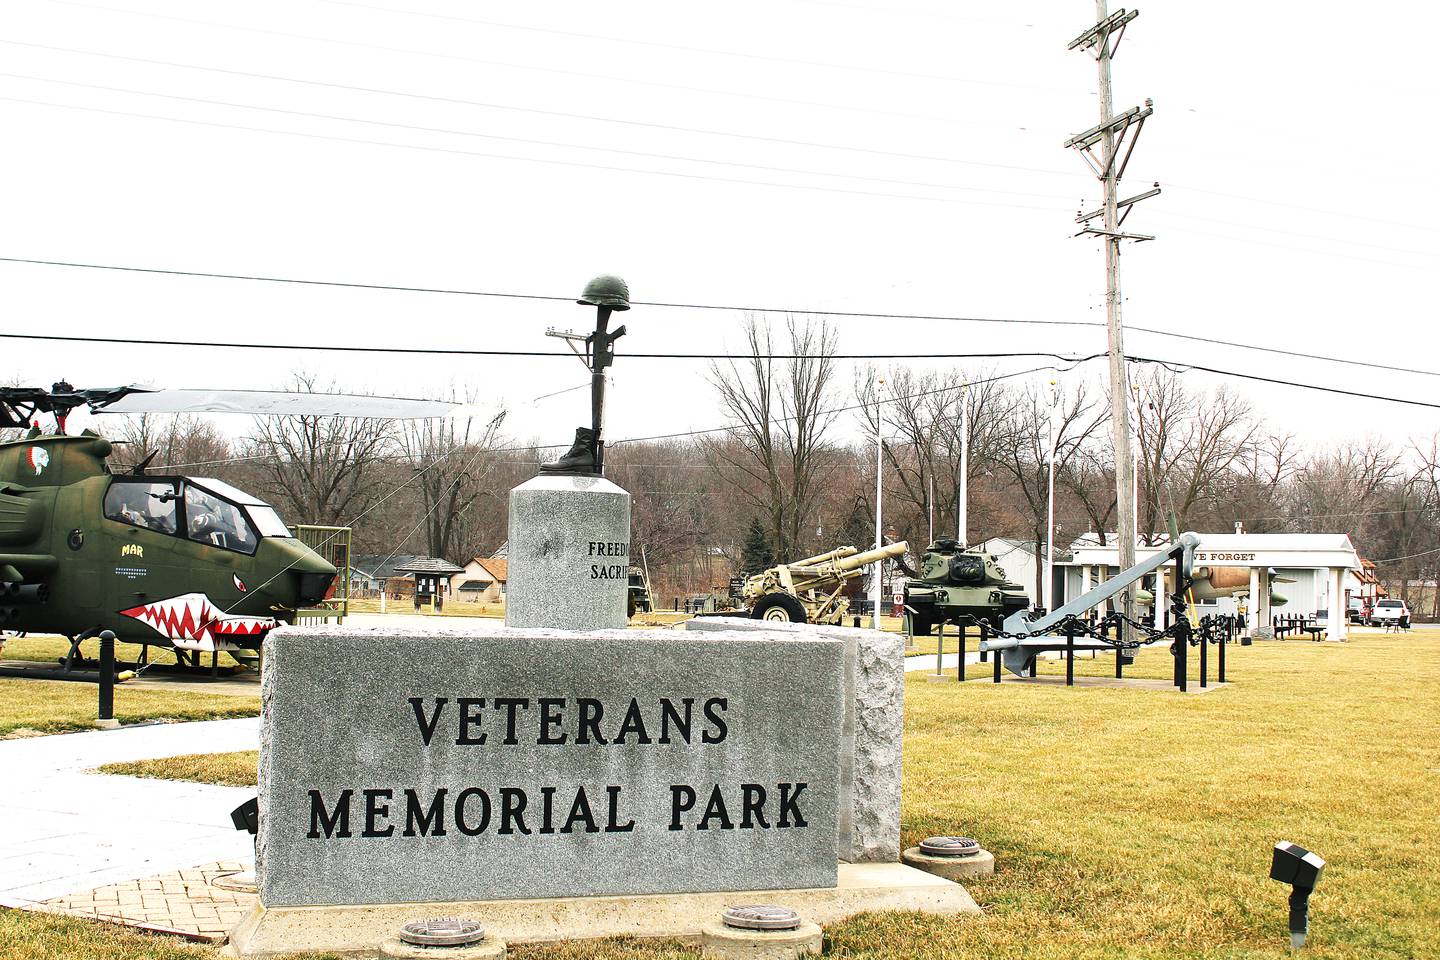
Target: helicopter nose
(311, 588)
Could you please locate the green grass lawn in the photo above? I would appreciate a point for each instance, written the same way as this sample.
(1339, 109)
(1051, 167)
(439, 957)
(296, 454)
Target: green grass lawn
(56, 706)
(1126, 823)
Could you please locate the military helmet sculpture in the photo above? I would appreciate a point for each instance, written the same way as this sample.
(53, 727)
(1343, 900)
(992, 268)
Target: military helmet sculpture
(955, 582)
(606, 290)
(606, 293)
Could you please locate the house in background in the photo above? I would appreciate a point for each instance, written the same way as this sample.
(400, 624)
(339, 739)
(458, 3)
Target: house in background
(482, 580)
(372, 573)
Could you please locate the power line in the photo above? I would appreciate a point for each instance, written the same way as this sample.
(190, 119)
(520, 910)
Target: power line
(546, 143)
(872, 151)
(460, 352)
(849, 314)
(1410, 556)
(435, 54)
(501, 156)
(1179, 367)
(687, 49)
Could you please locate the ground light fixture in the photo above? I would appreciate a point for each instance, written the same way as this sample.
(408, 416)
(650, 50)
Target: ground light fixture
(1293, 864)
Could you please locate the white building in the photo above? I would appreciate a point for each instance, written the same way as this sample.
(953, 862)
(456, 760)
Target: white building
(1321, 568)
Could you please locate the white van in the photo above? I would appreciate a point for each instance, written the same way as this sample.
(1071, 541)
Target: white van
(1389, 612)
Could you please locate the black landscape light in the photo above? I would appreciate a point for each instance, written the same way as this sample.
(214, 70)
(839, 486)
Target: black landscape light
(247, 816)
(1293, 864)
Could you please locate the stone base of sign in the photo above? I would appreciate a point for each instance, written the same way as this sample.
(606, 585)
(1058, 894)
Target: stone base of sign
(111, 724)
(870, 755)
(940, 677)
(973, 867)
(359, 930)
(728, 943)
(491, 948)
(569, 554)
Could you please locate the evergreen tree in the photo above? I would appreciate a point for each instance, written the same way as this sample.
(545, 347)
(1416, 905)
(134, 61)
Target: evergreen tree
(757, 554)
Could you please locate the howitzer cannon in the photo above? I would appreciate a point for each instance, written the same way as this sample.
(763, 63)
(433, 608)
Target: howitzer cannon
(811, 590)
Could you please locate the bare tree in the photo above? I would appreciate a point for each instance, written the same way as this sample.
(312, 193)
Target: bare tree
(179, 444)
(922, 416)
(1189, 442)
(1077, 417)
(323, 470)
(453, 469)
(780, 411)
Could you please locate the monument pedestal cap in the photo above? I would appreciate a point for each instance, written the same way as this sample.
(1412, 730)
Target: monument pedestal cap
(569, 554)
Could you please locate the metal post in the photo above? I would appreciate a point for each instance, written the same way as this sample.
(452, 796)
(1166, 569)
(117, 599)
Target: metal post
(1048, 601)
(107, 675)
(215, 664)
(1119, 663)
(1070, 653)
(1182, 651)
(877, 587)
(939, 645)
(963, 509)
(1224, 642)
(985, 635)
(1205, 656)
(960, 671)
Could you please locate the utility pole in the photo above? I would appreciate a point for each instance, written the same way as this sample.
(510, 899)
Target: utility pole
(1116, 136)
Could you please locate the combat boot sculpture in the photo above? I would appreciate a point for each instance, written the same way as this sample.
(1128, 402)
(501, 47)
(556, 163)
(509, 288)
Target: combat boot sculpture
(580, 458)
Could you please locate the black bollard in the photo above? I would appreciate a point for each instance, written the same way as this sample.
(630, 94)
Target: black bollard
(1070, 653)
(1224, 641)
(107, 675)
(1205, 655)
(960, 671)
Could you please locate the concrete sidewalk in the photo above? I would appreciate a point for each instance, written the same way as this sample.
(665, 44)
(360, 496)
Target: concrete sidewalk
(66, 830)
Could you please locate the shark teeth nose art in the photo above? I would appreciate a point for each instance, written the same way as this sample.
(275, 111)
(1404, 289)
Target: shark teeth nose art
(194, 623)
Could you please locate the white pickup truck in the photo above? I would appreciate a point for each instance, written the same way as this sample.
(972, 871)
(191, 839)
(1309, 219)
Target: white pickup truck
(1389, 613)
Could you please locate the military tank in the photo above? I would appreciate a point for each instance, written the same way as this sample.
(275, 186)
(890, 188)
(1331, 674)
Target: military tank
(955, 582)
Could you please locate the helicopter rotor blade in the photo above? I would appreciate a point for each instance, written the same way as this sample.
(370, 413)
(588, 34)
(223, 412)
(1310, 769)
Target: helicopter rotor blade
(278, 403)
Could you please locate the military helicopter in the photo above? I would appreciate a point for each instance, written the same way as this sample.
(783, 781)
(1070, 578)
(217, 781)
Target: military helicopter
(188, 564)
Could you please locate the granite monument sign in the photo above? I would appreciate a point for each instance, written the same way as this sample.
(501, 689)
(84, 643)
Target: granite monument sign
(503, 764)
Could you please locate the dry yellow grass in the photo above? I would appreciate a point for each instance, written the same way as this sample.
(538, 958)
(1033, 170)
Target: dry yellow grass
(227, 769)
(1133, 823)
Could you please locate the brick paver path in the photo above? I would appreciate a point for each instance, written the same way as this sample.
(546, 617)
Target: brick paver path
(182, 902)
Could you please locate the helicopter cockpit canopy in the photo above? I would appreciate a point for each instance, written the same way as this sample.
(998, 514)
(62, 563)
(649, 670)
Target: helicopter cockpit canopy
(201, 509)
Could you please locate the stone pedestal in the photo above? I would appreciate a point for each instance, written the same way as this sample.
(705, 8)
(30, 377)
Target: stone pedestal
(569, 554)
(728, 943)
(973, 867)
(491, 948)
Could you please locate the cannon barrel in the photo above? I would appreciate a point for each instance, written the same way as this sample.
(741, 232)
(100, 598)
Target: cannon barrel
(819, 558)
(858, 560)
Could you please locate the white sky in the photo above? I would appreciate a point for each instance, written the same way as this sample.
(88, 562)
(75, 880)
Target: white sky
(1299, 208)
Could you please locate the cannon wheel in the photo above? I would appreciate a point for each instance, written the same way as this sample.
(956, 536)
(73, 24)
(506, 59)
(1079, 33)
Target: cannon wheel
(779, 606)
